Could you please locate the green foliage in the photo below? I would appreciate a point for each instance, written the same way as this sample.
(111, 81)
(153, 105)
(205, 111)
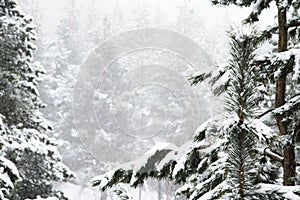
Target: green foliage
(122, 192)
(241, 101)
(19, 76)
(234, 167)
(242, 161)
(24, 143)
(241, 97)
(69, 36)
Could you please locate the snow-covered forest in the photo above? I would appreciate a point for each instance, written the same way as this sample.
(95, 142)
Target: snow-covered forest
(149, 99)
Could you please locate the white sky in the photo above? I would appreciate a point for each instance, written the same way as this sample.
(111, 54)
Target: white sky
(53, 10)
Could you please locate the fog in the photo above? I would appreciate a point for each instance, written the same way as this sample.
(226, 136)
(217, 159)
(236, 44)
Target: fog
(52, 11)
(110, 99)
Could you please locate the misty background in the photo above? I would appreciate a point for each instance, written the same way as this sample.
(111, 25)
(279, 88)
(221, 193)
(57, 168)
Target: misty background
(133, 103)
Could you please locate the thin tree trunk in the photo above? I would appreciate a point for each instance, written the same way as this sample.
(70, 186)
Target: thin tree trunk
(289, 163)
(281, 82)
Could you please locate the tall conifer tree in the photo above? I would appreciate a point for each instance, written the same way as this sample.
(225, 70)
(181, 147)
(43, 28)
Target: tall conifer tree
(287, 27)
(24, 143)
(232, 165)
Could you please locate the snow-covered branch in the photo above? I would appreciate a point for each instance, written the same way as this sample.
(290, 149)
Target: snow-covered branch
(271, 154)
(289, 106)
(136, 171)
(295, 22)
(268, 152)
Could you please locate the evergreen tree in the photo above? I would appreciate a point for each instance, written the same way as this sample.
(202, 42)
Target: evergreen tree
(225, 161)
(62, 59)
(287, 28)
(122, 192)
(24, 143)
(241, 101)
(70, 35)
(8, 171)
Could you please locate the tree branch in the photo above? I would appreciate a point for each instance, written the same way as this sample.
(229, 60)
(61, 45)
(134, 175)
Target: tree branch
(268, 152)
(263, 114)
(203, 145)
(293, 23)
(271, 154)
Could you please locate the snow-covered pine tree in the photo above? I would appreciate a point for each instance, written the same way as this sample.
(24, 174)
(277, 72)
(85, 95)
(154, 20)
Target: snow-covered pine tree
(8, 171)
(241, 102)
(225, 161)
(70, 34)
(24, 142)
(63, 58)
(122, 192)
(288, 27)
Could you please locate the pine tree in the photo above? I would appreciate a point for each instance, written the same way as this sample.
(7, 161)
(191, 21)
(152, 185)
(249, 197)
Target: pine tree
(122, 192)
(225, 161)
(70, 35)
(201, 168)
(241, 101)
(9, 174)
(24, 143)
(277, 73)
(62, 58)
(287, 27)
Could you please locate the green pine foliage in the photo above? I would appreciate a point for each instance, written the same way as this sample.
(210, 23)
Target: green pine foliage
(24, 143)
(241, 101)
(9, 174)
(240, 161)
(227, 158)
(19, 75)
(241, 93)
(242, 164)
(276, 74)
(260, 5)
(122, 192)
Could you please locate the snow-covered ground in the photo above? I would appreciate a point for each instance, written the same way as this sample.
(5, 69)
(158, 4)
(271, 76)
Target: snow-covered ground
(77, 192)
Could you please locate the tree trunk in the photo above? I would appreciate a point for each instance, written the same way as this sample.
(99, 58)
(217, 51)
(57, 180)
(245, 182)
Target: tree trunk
(289, 163)
(281, 82)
